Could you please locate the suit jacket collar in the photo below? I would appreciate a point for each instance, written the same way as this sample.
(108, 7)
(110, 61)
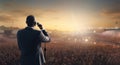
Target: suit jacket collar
(29, 28)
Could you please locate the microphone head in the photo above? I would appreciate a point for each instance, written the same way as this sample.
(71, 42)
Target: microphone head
(39, 24)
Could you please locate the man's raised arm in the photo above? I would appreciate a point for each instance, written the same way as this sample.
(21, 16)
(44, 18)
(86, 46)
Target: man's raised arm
(43, 34)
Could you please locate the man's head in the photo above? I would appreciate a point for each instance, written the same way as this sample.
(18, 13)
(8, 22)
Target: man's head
(30, 21)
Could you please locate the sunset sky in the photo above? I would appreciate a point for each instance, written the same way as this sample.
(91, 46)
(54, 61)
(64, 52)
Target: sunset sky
(65, 15)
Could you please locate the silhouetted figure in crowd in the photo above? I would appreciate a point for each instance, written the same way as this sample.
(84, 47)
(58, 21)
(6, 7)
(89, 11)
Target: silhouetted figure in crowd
(29, 42)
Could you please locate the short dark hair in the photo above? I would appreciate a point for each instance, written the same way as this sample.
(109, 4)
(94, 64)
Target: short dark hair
(30, 20)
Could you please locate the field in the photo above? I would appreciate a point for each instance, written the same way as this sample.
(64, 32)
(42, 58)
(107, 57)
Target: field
(67, 50)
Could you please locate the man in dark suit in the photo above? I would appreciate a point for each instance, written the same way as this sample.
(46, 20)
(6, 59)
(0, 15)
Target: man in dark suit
(29, 43)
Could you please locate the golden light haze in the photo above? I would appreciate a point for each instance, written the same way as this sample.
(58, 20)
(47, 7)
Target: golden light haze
(60, 20)
(63, 15)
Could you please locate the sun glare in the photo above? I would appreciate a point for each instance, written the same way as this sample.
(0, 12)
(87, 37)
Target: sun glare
(78, 23)
(64, 21)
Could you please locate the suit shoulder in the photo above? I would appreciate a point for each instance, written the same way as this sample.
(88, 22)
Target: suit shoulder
(20, 30)
(37, 31)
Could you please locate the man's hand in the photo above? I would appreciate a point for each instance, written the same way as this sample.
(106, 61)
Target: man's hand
(39, 25)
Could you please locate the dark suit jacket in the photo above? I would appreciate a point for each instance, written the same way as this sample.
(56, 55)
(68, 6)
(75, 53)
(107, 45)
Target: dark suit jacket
(29, 42)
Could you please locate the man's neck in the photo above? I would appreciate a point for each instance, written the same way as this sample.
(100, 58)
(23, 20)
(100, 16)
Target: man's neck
(30, 27)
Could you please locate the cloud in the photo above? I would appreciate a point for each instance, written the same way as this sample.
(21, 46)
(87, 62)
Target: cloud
(6, 18)
(19, 14)
(22, 12)
(9, 4)
(112, 11)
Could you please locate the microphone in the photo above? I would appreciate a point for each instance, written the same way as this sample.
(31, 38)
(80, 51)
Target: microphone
(39, 25)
